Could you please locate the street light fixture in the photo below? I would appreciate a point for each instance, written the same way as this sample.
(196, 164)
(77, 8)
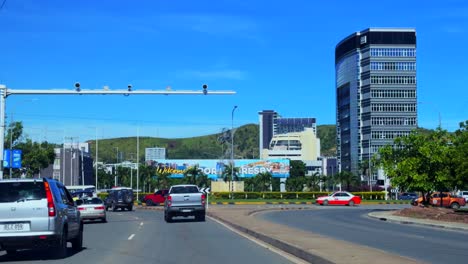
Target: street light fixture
(232, 151)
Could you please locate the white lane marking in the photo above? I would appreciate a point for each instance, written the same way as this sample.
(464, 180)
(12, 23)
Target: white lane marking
(141, 224)
(131, 236)
(278, 251)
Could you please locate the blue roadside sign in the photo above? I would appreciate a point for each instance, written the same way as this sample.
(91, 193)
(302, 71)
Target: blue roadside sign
(13, 156)
(17, 158)
(6, 158)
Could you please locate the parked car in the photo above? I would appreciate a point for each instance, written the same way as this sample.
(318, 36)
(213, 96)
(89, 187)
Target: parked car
(448, 200)
(156, 198)
(185, 200)
(463, 194)
(92, 208)
(339, 198)
(408, 196)
(38, 213)
(120, 197)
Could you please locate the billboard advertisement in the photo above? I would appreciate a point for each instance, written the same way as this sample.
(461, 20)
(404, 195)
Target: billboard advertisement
(279, 168)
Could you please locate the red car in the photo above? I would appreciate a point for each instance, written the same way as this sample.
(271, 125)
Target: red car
(339, 198)
(156, 198)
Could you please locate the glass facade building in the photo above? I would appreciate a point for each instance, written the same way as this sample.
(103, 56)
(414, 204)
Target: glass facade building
(376, 96)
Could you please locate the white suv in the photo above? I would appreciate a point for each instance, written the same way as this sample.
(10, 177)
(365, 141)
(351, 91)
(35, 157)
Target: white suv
(38, 213)
(463, 194)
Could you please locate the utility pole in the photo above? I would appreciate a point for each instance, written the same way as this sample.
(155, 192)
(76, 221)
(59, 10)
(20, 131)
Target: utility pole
(232, 152)
(4, 93)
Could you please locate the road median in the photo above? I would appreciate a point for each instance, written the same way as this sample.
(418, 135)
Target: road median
(308, 246)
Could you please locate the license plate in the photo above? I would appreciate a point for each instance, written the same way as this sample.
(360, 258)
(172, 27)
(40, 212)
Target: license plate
(186, 210)
(14, 227)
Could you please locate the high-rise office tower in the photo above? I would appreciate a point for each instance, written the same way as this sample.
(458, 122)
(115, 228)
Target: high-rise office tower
(375, 92)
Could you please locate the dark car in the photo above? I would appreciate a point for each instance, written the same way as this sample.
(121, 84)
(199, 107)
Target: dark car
(122, 198)
(408, 196)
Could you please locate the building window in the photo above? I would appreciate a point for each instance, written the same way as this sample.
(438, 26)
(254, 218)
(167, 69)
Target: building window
(389, 134)
(392, 66)
(393, 94)
(393, 107)
(393, 79)
(393, 52)
(393, 121)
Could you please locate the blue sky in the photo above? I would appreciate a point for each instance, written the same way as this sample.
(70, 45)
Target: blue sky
(275, 54)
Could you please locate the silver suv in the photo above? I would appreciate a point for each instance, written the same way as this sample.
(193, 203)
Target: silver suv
(38, 213)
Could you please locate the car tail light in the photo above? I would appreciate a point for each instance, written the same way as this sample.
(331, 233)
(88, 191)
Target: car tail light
(169, 200)
(203, 199)
(50, 200)
(99, 208)
(81, 208)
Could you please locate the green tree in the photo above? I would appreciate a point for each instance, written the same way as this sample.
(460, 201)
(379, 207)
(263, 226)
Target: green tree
(36, 156)
(297, 168)
(460, 162)
(296, 184)
(263, 180)
(191, 174)
(347, 179)
(228, 170)
(420, 162)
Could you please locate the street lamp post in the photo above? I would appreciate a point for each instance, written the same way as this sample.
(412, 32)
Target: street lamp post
(232, 151)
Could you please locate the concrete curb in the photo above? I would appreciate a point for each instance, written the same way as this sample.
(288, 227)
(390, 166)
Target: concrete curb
(387, 216)
(293, 250)
(298, 203)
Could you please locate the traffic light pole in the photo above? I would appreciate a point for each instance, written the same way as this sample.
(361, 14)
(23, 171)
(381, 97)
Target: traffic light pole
(4, 93)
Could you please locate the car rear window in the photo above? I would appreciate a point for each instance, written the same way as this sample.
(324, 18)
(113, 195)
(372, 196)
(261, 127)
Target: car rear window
(184, 189)
(21, 191)
(92, 201)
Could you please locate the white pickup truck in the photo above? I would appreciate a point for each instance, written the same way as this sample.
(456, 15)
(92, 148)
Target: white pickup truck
(185, 200)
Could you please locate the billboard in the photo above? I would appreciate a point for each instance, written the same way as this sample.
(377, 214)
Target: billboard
(279, 168)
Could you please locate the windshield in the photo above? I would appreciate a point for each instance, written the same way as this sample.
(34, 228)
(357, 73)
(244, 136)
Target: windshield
(184, 189)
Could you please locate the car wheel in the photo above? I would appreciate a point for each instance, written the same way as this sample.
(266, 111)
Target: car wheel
(77, 242)
(11, 252)
(200, 217)
(114, 208)
(167, 217)
(130, 207)
(455, 206)
(149, 203)
(104, 219)
(60, 251)
(325, 202)
(351, 203)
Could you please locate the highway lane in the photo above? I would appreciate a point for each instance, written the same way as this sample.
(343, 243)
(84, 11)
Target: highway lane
(143, 237)
(351, 224)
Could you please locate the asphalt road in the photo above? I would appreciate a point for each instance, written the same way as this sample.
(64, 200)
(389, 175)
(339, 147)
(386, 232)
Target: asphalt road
(351, 224)
(143, 237)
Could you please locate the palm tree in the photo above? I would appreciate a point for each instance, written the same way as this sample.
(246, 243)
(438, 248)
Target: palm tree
(163, 180)
(347, 178)
(264, 180)
(227, 173)
(192, 173)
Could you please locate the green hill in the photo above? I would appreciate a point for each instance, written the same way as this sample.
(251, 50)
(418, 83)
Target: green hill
(216, 146)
